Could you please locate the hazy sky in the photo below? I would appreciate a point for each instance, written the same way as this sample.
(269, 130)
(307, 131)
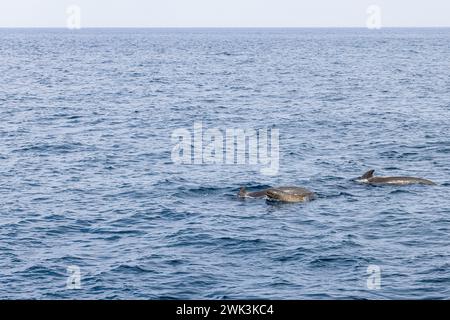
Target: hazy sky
(224, 13)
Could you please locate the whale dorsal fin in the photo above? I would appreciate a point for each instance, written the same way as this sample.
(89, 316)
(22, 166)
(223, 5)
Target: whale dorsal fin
(242, 192)
(368, 174)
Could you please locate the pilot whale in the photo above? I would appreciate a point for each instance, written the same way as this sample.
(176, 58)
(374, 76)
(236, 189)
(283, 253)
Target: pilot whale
(369, 178)
(284, 194)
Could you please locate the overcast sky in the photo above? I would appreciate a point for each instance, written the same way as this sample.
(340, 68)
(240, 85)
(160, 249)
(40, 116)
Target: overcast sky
(224, 13)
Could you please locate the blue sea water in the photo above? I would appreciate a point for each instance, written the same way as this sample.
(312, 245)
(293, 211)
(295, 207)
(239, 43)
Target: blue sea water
(87, 179)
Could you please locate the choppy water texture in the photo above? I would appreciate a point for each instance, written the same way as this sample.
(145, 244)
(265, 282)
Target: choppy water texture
(86, 176)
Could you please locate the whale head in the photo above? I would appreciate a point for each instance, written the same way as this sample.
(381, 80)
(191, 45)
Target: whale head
(242, 192)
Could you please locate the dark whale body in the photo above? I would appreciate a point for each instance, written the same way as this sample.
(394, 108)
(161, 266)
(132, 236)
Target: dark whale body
(369, 178)
(284, 194)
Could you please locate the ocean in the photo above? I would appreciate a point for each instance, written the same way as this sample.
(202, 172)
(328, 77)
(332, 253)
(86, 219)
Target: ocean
(93, 206)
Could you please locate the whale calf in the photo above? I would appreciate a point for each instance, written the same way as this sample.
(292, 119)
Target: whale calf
(284, 194)
(369, 178)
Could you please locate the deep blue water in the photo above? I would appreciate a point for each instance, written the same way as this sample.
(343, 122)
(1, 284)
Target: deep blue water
(87, 179)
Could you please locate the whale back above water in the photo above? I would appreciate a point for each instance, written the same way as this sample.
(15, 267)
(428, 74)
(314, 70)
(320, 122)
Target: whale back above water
(369, 178)
(290, 194)
(285, 194)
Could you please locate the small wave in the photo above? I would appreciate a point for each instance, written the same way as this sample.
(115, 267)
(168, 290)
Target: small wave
(292, 255)
(201, 191)
(225, 53)
(38, 271)
(400, 191)
(335, 195)
(50, 148)
(132, 269)
(330, 261)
